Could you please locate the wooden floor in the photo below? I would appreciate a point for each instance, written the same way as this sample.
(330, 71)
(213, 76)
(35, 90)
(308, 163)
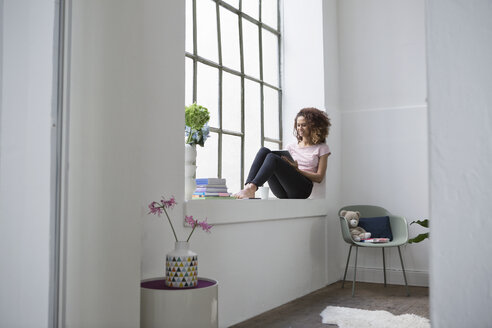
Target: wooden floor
(305, 311)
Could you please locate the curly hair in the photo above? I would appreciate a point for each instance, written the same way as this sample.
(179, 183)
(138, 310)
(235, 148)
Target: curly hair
(318, 123)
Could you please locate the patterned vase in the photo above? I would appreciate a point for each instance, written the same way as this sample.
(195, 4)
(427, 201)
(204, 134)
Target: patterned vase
(181, 266)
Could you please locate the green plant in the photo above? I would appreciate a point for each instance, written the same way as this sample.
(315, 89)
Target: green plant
(424, 223)
(196, 127)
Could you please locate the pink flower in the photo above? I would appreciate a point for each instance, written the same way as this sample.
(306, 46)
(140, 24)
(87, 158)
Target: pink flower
(158, 208)
(189, 220)
(205, 226)
(155, 208)
(168, 203)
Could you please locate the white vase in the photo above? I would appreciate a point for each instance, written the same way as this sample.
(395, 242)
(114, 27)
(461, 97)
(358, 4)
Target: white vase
(190, 170)
(181, 266)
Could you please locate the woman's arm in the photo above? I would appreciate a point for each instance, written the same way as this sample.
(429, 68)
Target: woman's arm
(319, 175)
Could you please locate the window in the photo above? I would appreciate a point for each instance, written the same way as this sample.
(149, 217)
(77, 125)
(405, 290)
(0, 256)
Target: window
(233, 69)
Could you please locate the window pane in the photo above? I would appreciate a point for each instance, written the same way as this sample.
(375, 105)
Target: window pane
(207, 91)
(207, 157)
(188, 81)
(269, 13)
(251, 49)
(270, 111)
(189, 26)
(206, 20)
(270, 57)
(252, 119)
(272, 145)
(229, 29)
(251, 8)
(231, 161)
(234, 3)
(231, 102)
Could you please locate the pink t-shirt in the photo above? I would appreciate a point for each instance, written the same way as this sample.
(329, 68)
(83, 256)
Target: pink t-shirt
(308, 157)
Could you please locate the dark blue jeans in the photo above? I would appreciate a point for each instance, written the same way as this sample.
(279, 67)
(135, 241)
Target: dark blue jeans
(283, 178)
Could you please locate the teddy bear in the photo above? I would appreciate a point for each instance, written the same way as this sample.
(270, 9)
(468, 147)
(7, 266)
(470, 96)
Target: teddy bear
(356, 232)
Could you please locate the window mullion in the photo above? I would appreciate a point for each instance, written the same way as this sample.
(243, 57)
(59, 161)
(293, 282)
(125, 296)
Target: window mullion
(273, 140)
(219, 44)
(241, 60)
(262, 105)
(279, 59)
(195, 53)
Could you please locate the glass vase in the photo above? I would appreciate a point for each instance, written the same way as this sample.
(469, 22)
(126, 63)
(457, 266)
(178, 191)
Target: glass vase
(190, 170)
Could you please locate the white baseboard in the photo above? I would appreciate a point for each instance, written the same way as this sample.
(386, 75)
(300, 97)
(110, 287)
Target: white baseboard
(393, 276)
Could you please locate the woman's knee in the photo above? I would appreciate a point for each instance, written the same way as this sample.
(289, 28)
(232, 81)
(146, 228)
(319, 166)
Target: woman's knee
(272, 157)
(264, 150)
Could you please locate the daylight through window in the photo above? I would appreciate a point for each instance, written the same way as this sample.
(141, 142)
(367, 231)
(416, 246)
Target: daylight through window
(233, 69)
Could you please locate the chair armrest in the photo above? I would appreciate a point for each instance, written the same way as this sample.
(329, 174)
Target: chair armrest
(345, 230)
(399, 228)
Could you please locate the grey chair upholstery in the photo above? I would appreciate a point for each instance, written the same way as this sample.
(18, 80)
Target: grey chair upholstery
(399, 229)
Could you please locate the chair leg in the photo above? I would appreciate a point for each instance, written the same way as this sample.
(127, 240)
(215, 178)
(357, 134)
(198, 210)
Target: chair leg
(346, 266)
(384, 268)
(403, 268)
(355, 269)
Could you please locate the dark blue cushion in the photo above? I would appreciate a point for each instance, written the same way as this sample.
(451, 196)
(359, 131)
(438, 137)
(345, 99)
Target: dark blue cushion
(379, 227)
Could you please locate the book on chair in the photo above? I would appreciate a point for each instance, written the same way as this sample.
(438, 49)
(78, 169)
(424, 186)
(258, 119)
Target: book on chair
(375, 240)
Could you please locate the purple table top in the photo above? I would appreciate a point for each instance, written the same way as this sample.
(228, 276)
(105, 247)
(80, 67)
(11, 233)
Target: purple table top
(161, 284)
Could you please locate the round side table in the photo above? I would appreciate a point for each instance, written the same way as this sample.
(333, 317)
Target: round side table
(162, 306)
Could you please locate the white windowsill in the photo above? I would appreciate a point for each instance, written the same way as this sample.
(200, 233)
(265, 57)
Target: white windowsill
(252, 210)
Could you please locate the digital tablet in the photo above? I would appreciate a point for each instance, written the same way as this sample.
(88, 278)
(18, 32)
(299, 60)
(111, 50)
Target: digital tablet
(283, 153)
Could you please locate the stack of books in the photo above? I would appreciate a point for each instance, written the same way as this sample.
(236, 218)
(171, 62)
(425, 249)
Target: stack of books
(375, 240)
(211, 188)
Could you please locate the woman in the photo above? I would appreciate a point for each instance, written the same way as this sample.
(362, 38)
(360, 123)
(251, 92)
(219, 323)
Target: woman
(295, 179)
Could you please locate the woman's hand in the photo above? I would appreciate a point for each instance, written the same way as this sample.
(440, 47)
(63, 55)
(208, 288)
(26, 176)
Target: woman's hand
(294, 164)
(320, 174)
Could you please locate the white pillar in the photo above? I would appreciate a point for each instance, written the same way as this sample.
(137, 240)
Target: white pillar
(460, 124)
(26, 67)
(125, 149)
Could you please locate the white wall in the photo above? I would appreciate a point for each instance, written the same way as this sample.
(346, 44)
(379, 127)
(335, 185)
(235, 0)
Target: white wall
(460, 105)
(384, 120)
(25, 160)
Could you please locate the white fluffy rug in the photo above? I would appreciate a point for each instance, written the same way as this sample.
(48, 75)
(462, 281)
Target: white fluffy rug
(355, 318)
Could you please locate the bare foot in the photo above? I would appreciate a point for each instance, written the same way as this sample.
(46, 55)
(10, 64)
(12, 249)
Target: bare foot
(248, 192)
